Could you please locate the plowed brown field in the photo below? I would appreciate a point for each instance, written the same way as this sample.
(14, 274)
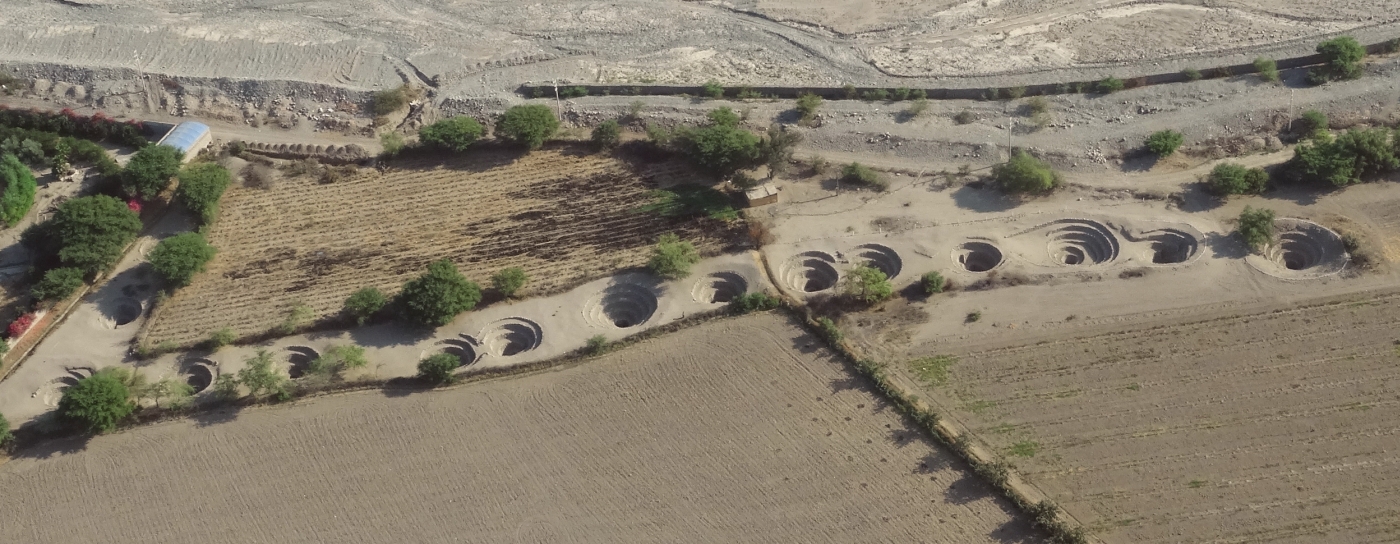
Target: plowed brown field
(1268, 425)
(741, 430)
(564, 216)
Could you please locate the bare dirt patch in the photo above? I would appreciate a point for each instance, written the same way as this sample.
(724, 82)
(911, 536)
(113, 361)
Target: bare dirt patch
(741, 430)
(1263, 425)
(564, 216)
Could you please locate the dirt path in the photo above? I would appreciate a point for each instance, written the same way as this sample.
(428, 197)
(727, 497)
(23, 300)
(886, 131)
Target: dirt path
(742, 430)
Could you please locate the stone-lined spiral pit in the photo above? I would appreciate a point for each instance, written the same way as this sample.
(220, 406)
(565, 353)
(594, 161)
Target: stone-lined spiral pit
(720, 288)
(977, 256)
(621, 305)
(50, 393)
(511, 336)
(126, 311)
(299, 360)
(881, 258)
(200, 374)
(462, 348)
(1171, 246)
(1078, 242)
(1301, 250)
(810, 272)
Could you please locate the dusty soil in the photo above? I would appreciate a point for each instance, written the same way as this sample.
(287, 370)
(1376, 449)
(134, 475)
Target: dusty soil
(1261, 424)
(564, 215)
(738, 430)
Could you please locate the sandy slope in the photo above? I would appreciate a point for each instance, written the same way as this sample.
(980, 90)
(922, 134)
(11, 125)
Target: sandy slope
(736, 431)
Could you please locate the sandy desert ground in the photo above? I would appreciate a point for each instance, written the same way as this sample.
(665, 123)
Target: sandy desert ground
(738, 430)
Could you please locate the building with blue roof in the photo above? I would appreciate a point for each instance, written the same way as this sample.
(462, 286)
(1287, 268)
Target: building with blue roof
(189, 137)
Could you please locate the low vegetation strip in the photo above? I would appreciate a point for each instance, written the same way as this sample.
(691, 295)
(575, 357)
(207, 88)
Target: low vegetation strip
(779, 446)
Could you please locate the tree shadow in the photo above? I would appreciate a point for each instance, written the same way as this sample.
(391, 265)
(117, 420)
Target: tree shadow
(1298, 193)
(217, 415)
(406, 386)
(1226, 246)
(980, 200)
(967, 489)
(1018, 530)
(1140, 161)
(390, 335)
(847, 383)
(936, 461)
(44, 446)
(484, 156)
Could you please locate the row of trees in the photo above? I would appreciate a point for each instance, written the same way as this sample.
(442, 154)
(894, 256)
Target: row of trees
(433, 299)
(528, 126)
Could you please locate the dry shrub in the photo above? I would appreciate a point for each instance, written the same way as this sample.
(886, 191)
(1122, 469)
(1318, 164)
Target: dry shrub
(333, 174)
(258, 176)
(996, 279)
(759, 233)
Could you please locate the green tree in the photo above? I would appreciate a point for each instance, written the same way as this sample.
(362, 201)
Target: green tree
(1025, 174)
(96, 404)
(19, 186)
(437, 369)
(5, 435)
(1343, 60)
(672, 257)
(149, 171)
(1164, 143)
(437, 296)
(201, 187)
(58, 283)
(338, 359)
(777, 148)
(261, 378)
(390, 100)
(176, 393)
(1256, 227)
(722, 147)
(1234, 179)
(392, 144)
(1311, 123)
(87, 233)
(868, 284)
(1268, 69)
(363, 304)
(178, 258)
(226, 387)
(713, 89)
(607, 135)
(509, 280)
(453, 134)
(1348, 158)
(933, 283)
(528, 125)
(1109, 85)
(807, 105)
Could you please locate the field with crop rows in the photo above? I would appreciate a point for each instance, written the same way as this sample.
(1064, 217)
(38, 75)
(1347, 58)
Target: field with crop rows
(1274, 425)
(563, 215)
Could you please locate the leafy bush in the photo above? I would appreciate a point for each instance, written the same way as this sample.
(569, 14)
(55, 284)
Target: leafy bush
(19, 186)
(713, 89)
(1311, 123)
(1192, 74)
(1164, 143)
(58, 283)
(1234, 179)
(363, 304)
(754, 302)
(829, 330)
(690, 200)
(201, 187)
(178, 258)
(1343, 60)
(96, 404)
(1347, 159)
(261, 378)
(868, 284)
(1013, 93)
(933, 283)
(221, 338)
(1268, 69)
(149, 171)
(916, 108)
(338, 359)
(875, 95)
(807, 105)
(509, 280)
(1109, 85)
(1025, 174)
(389, 101)
(574, 92)
(597, 345)
(860, 174)
(87, 233)
(672, 257)
(453, 134)
(436, 297)
(392, 144)
(5, 435)
(1256, 227)
(527, 125)
(607, 135)
(437, 369)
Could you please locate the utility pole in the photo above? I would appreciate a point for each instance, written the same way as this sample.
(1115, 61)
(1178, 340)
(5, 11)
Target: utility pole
(1007, 112)
(558, 104)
